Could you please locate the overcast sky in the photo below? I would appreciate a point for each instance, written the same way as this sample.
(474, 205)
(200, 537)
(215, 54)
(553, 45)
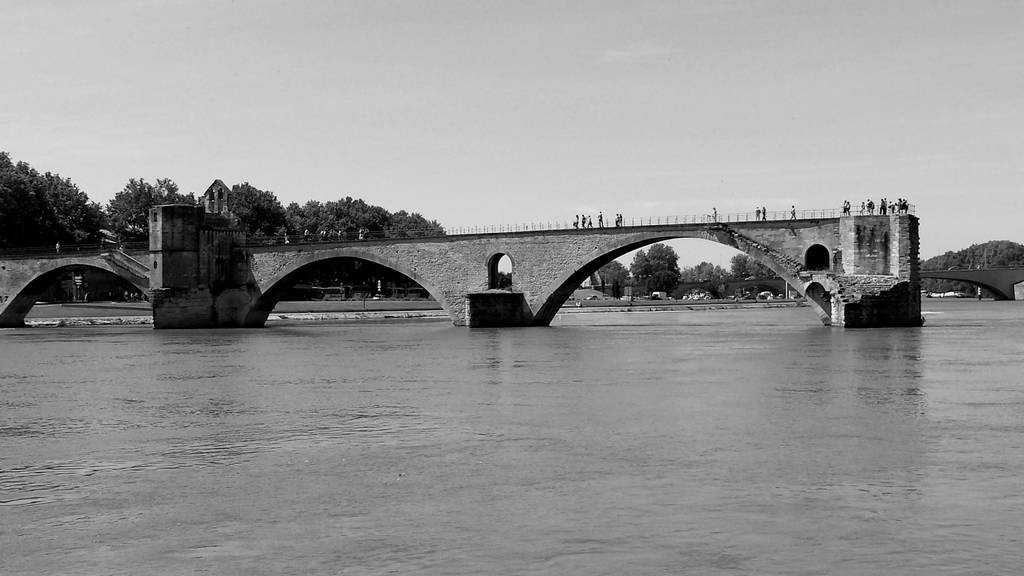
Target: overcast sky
(475, 112)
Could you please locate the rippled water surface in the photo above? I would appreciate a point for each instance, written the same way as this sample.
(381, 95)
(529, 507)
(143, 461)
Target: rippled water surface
(724, 442)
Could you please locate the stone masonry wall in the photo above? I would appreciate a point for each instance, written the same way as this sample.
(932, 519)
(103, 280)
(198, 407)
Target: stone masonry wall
(544, 264)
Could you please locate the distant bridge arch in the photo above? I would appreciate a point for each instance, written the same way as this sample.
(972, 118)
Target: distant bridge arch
(1004, 283)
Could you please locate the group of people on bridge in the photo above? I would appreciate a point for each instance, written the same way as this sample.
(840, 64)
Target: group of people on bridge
(330, 236)
(900, 206)
(583, 221)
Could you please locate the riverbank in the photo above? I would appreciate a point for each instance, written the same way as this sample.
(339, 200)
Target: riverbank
(138, 313)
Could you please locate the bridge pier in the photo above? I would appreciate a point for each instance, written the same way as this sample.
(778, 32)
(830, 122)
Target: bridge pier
(878, 281)
(200, 276)
(497, 308)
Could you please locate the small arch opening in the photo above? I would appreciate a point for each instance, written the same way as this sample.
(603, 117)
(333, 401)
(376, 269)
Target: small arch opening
(817, 293)
(817, 257)
(499, 272)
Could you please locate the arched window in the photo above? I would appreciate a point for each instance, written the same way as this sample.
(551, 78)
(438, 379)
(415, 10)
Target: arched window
(499, 272)
(817, 257)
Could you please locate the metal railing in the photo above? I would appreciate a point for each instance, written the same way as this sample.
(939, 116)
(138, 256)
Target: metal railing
(634, 222)
(73, 250)
(327, 237)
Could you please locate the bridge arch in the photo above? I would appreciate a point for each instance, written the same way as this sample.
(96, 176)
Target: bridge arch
(997, 292)
(272, 288)
(16, 305)
(815, 292)
(558, 291)
(1000, 282)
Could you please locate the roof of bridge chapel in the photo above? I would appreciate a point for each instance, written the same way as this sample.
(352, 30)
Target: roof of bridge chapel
(218, 184)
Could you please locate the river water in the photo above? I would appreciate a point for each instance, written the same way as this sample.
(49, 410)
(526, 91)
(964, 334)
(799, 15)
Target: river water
(702, 442)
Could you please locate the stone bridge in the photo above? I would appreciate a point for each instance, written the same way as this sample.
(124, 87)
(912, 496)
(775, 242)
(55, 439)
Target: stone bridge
(1004, 283)
(24, 279)
(855, 271)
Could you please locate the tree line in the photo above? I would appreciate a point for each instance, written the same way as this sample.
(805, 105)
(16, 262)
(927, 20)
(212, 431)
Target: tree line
(39, 209)
(657, 270)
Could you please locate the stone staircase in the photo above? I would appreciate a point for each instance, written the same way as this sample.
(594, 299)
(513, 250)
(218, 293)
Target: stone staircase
(749, 245)
(125, 262)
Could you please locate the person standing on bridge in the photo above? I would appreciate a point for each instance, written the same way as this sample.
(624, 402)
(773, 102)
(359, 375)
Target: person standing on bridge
(714, 214)
(590, 222)
(792, 212)
(576, 222)
(764, 214)
(600, 219)
(58, 247)
(757, 213)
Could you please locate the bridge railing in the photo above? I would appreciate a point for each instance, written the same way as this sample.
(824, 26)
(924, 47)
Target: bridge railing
(637, 221)
(72, 250)
(334, 236)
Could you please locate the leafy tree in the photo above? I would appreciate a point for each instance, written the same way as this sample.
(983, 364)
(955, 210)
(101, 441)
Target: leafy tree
(77, 219)
(349, 216)
(44, 209)
(406, 225)
(704, 272)
(258, 211)
(657, 268)
(295, 216)
(128, 211)
(615, 276)
(742, 266)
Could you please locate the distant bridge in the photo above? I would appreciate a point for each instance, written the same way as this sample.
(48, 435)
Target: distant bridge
(1005, 283)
